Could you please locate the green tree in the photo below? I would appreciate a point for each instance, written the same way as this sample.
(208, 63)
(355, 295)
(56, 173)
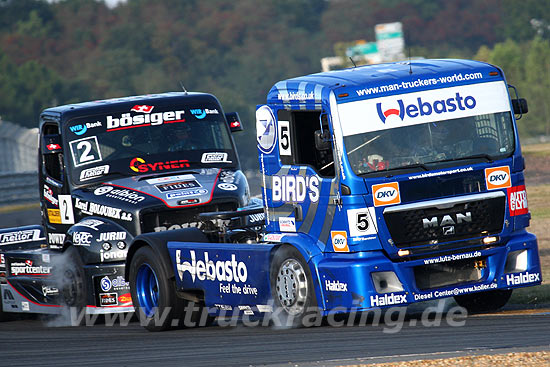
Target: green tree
(29, 88)
(537, 85)
(527, 67)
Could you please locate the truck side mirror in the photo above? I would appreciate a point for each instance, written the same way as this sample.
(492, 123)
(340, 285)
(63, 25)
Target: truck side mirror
(322, 140)
(234, 121)
(51, 144)
(520, 106)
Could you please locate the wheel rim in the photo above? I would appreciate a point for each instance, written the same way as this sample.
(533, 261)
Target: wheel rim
(291, 286)
(147, 289)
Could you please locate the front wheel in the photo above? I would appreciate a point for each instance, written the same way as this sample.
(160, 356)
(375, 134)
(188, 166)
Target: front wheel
(292, 288)
(73, 280)
(484, 301)
(154, 292)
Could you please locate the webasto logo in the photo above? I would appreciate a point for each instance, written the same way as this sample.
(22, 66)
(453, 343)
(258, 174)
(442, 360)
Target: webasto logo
(423, 108)
(228, 271)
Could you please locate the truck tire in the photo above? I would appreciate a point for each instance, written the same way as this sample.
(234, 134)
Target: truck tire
(73, 284)
(484, 301)
(292, 288)
(154, 292)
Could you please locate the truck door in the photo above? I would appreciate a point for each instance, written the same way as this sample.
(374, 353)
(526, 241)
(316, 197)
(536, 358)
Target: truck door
(55, 199)
(306, 183)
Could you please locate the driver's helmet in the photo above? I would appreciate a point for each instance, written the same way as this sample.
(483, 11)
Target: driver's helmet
(180, 137)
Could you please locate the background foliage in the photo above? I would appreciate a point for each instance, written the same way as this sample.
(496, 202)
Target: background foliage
(76, 50)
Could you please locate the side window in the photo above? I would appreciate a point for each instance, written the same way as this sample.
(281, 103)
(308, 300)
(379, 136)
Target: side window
(297, 141)
(52, 159)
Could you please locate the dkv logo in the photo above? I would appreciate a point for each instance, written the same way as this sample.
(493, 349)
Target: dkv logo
(339, 241)
(498, 177)
(386, 194)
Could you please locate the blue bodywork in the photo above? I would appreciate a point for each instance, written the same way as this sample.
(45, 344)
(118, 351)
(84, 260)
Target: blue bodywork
(318, 215)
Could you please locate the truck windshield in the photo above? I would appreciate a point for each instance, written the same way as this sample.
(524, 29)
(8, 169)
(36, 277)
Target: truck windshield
(423, 146)
(137, 143)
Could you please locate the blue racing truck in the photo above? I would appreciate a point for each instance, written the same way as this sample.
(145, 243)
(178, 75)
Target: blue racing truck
(383, 185)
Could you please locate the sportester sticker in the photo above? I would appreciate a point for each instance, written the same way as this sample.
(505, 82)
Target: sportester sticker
(386, 194)
(339, 241)
(498, 178)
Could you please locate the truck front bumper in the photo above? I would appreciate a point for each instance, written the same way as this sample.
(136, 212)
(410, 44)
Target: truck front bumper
(365, 280)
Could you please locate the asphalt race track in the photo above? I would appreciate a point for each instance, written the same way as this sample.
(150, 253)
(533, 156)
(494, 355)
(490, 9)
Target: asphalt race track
(28, 342)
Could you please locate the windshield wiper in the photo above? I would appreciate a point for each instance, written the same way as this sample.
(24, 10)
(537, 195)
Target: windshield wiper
(488, 157)
(413, 165)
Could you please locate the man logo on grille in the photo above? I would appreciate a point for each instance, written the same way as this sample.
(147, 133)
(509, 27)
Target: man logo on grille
(448, 230)
(447, 221)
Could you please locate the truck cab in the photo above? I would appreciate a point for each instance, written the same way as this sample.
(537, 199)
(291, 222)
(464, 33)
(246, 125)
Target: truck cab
(411, 171)
(111, 170)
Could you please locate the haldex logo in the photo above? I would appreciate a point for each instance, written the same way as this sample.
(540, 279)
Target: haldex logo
(387, 299)
(228, 270)
(523, 278)
(423, 108)
(335, 286)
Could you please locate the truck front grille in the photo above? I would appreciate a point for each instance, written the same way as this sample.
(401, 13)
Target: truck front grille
(446, 220)
(164, 220)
